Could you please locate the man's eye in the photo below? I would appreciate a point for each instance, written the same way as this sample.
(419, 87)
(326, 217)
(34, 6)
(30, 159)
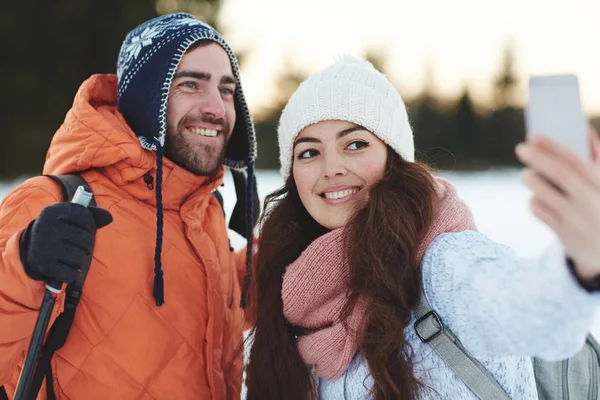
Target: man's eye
(228, 91)
(189, 85)
(357, 144)
(310, 153)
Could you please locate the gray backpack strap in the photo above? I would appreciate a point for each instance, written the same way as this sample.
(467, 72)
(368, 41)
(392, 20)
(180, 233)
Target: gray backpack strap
(577, 377)
(430, 329)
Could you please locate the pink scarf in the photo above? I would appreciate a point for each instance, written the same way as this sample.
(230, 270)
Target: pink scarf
(315, 287)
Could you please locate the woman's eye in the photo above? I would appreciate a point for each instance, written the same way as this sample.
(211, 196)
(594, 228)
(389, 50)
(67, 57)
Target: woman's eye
(358, 144)
(310, 153)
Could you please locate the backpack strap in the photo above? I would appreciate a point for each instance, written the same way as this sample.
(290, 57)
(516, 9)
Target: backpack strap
(69, 184)
(57, 335)
(430, 329)
(219, 196)
(237, 220)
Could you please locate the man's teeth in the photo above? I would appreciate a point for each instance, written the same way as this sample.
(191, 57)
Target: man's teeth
(204, 132)
(341, 194)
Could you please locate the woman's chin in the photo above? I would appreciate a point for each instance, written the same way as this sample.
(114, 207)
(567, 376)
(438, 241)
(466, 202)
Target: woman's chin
(333, 222)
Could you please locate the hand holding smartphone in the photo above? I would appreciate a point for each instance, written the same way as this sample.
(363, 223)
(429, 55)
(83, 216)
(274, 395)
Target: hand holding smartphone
(565, 188)
(554, 110)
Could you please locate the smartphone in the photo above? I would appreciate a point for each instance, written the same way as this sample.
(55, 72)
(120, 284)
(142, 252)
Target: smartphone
(554, 109)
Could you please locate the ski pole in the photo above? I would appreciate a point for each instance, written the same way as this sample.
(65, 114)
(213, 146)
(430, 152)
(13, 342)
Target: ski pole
(53, 288)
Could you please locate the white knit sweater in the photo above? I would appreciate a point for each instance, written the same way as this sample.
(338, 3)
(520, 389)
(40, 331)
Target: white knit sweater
(504, 310)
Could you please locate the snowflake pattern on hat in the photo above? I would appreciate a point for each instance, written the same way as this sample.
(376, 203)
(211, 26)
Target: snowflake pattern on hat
(136, 40)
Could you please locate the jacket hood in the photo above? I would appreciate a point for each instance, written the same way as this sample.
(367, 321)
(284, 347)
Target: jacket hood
(95, 135)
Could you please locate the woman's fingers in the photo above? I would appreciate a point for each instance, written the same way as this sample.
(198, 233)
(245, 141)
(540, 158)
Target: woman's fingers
(558, 170)
(552, 197)
(566, 196)
(545, 145)
(544, 214)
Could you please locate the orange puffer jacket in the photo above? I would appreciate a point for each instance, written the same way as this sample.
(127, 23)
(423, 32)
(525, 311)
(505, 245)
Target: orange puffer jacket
(121, 345)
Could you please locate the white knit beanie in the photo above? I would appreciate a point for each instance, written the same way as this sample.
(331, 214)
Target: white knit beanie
(352, 90)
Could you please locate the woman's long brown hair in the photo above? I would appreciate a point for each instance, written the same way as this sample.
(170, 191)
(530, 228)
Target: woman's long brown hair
(384, 235)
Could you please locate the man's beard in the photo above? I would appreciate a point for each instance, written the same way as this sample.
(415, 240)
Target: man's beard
(202, 162)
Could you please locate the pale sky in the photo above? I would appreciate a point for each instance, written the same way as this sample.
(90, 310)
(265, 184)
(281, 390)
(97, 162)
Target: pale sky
(461, 39)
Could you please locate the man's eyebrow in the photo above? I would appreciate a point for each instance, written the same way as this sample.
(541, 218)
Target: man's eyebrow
(229, 79)
(204, 76)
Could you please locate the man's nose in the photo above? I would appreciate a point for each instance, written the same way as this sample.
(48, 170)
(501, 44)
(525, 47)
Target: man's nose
(213, 105)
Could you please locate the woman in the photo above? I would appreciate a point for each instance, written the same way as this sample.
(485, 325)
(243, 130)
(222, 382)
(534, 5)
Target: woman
(359, 230)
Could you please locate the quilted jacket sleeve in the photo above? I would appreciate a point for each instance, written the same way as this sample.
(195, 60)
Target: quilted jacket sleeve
(20, 296)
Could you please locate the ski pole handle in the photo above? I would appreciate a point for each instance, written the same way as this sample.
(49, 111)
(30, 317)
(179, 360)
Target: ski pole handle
(81, 197)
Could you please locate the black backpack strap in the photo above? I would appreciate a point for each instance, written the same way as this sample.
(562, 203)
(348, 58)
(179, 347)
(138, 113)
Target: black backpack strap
(237, 221)
(219, 196)
(69, 184)
(57, 335)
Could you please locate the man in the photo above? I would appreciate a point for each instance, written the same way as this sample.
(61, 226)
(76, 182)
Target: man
(160, 315)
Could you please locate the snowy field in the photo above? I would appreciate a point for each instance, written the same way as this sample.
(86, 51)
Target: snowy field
(498, 200)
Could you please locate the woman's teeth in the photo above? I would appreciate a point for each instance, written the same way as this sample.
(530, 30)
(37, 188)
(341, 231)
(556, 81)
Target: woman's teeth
(339, 195)
(204, 132)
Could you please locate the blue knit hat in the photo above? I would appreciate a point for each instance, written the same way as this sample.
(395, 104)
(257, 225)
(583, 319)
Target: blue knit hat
(147, 63)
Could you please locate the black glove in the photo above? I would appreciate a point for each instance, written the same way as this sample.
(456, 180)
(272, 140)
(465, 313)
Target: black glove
(55, 245)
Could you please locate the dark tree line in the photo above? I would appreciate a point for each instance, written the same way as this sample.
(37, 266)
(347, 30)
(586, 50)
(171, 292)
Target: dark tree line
(50, 47)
